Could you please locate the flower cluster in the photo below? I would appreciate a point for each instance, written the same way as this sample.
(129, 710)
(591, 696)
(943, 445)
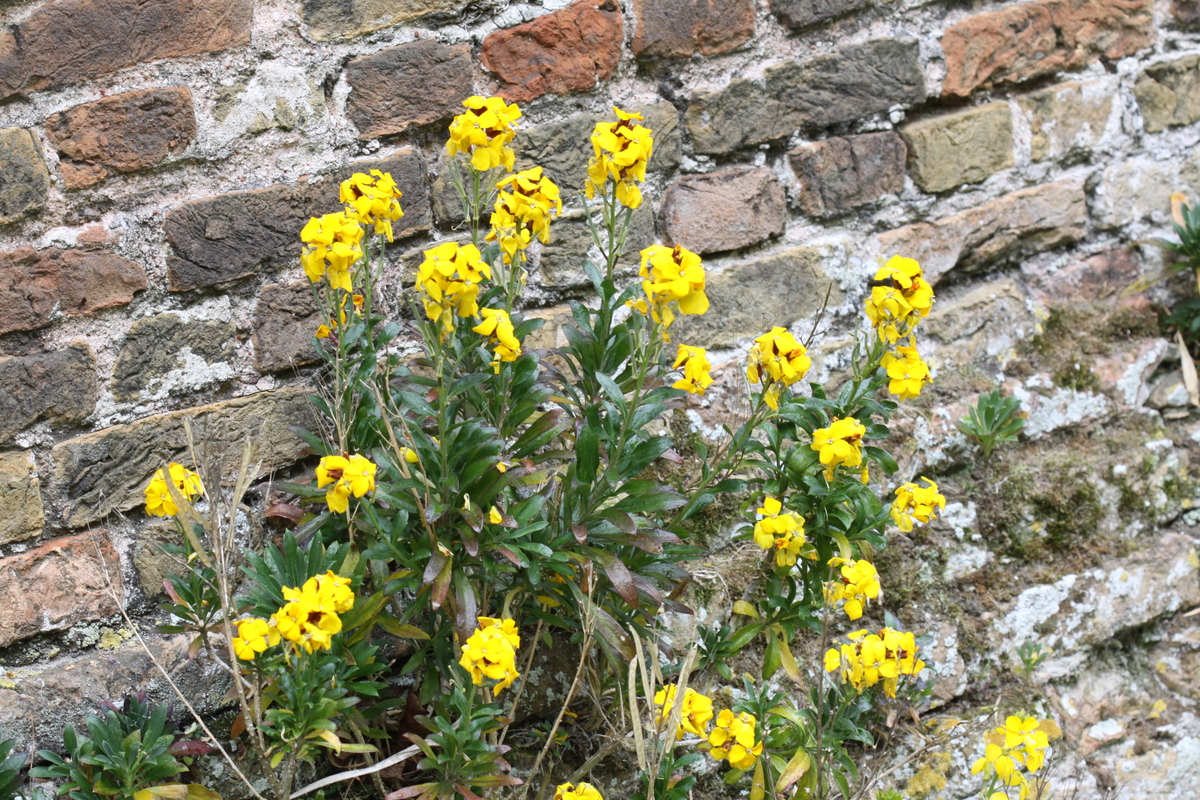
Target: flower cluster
(907, 373)
(859, 583)
(497, 325)
(254, 636)
(900, 297)
(694, 715)
(871, 658)
(582, 791)
(694, 361)
(334, 243)
(840, 445)
(491, 652)
(158, 495)
(915, 503)
(345, 476)
(733, 738)
(621, 152)
(449, 279)
(523, 211)
(782, 531)
(672, 280)
(777, 360)
(1018, 743)
(483, 132)
(310, 618)
(373, 199)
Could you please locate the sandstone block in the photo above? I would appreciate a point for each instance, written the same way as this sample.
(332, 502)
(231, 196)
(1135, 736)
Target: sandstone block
(58, 584)
(740, 115)
(949, 150)
(842, 173)
(1030, 40)
(748, 299)
(230, 236)
(1169, 93)
(979, 329)
(58, 387)
(1016, 224)
(1186, 13)
(1140, 188)
(550, 335)
(20, 499)
(34, 283)
(562, 148)
(24, 179)
(330, 19)
(156, 345)
(122, 133)
(679, 28)
(561, 261)
(418, 83)
(68, 41)
(1067, 119)
(569, 50)
(284, 324)
(801, 14)
(726, 210)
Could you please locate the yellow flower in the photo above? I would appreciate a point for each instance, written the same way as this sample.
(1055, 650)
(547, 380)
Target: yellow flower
(491, 651)
(672, 280)
(448, 279)
(839, 444)
(254, 637)
(915, 503)
(158, 496)
(523, 212)
(483, 132)
(494, 516)
(584, 791)
(782, 531)
(345, 476)
(373, 200)
(696, 377)
(334, 244)
(908, 373)
(733, 738)
(309, 619)
(899, 298)
(621, 151)
(859, 583)
(777, 360)
(332, 590)
(499, 327)
(1018, 744)
(694, 716)
(876, 658)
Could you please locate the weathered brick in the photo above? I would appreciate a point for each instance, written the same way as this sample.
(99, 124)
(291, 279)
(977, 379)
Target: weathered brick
(106, 471)
(739, 308)
(569, 50)
(58, 387)
(1067, 119)
(1013, 225)
(562, 149)
(679, 28)
(1140, 188)
(1030, 40)
(1186, 13)
(68, 41)
(725, 210)
(418, 83)
(853, 82)
(233, 235)
(561, 261)
(155, 345)
(329, 19)
(842, 173)
(1169, 93)
(949, 150)
(57, 585)
(978, 330)
(20, 498)
(122, 133)
(24, 179)
(801, 14)
(33, 283)
(284, 324)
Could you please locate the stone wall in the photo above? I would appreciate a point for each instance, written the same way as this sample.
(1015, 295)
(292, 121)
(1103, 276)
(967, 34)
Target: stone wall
(160, 157)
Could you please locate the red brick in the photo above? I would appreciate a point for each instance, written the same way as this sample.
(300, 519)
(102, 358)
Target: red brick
(569, 50)
(679, 28)
(725, 210)
(35, 282)
(67, 41)
(414, 84)
(57, 585)
(122, 133)
(1035, 39)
